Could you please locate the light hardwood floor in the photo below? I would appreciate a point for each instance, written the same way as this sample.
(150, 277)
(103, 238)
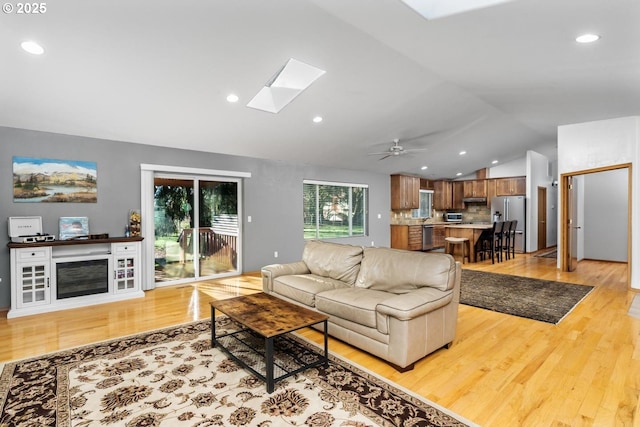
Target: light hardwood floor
(501, 370)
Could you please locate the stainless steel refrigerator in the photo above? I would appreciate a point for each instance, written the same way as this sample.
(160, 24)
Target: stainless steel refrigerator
(513, 208)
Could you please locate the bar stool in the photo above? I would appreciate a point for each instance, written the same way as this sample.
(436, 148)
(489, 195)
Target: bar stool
(463, 242)
(498, 229)
(505, 245)
(485, 244)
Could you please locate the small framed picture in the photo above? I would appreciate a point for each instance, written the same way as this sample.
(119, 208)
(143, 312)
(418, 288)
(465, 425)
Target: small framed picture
(74, 227)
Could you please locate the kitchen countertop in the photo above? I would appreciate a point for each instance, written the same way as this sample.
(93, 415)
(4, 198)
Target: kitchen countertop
(418, 222)
(471, 226)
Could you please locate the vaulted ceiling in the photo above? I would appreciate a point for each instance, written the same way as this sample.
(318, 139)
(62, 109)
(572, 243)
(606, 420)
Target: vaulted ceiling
(494, 82)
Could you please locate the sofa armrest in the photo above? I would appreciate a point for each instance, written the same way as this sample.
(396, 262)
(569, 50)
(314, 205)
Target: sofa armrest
(271, 272)
(415, 304)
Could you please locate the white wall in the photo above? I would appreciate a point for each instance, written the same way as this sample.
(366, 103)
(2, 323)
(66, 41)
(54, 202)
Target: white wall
(537, 176)
(515, 168)
(600, 144)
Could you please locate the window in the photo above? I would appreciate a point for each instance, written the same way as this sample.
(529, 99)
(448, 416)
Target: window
(334, 210)
(426, 203)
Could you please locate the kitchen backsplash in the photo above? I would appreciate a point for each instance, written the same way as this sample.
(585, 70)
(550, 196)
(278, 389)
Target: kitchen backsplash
(474, 212)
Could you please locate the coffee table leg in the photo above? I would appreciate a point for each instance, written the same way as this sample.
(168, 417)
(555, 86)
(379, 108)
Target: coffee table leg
(269, 364)
(326, 346)
(213, 327)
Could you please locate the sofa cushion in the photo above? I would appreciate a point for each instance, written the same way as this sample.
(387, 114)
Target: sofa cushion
(303, 288)
(337, 261)
(353, 304)
(399, 271)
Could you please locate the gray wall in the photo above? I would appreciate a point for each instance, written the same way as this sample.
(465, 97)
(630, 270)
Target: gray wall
(272, 196)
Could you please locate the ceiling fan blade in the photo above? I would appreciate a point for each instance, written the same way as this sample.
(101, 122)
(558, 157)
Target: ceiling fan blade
(382, 158)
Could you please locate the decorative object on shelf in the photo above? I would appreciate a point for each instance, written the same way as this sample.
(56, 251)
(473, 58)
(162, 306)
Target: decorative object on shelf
(134, 223)
(74, 227)
(50, 180)
(27, 229)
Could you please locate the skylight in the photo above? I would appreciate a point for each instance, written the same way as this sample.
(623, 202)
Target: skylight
(294, 77)
(434, 9)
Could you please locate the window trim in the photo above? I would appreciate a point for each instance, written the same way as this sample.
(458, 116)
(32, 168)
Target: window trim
(350, 187)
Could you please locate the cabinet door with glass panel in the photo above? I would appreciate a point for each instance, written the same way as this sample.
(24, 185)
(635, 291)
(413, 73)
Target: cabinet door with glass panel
(126, 257)
(32, 276)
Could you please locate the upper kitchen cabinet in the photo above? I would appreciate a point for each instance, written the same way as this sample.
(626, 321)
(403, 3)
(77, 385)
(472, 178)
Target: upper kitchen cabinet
(405, 192)
(515, 186)
(426, 184)
(475, 188)
(448, 195)
(442, 195)
(457, 190)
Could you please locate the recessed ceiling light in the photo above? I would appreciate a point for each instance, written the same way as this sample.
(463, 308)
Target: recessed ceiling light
(459, 174)
(587, 38)
(32, 47)
(424, 167)
(462, 153)
(232, 97)
(494, 162)
(317, 119)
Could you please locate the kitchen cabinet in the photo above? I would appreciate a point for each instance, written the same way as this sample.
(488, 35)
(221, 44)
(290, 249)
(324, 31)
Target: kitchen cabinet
(475, 188)
(439, 233)
(426, 184)
(448, 195)
(457, 194)
(442, 195)
(491, 191)
(405, 192)
(408, 237)
(515, 186)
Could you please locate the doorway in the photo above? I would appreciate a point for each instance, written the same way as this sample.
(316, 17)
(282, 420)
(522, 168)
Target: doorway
(542, 218)
(574, 214)
(196, 233)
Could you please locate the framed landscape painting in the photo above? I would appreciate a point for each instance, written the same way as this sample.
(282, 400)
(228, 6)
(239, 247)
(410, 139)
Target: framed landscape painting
(51, 180)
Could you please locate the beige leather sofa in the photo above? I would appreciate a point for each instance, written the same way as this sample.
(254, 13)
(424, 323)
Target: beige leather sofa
(398, 305)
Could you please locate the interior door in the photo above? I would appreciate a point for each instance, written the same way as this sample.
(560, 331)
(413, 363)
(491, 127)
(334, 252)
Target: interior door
(542, 218)
(572, 224)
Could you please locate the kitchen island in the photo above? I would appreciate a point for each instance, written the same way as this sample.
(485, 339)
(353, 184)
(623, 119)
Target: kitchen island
(471, 232)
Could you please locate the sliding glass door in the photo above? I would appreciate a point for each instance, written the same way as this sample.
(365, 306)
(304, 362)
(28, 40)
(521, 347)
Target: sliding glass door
(195, 228)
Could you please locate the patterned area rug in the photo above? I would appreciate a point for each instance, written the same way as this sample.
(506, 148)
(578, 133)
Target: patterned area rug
(542, 300)
(172, 377)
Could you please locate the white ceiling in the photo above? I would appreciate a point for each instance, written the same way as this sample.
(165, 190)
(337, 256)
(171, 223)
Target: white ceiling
(494, 82)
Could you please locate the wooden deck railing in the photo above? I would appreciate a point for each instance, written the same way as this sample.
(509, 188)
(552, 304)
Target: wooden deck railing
(220, 241)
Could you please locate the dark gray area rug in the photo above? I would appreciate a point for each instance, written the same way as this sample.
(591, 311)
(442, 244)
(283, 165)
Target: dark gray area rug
(536, 299)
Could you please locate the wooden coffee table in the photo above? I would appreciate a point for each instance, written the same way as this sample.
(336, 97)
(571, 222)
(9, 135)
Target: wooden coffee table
(263, 321)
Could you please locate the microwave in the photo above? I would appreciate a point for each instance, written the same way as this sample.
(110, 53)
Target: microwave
(453, 217)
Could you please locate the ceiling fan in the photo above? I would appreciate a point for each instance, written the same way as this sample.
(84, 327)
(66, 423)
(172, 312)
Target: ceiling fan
(396, 150)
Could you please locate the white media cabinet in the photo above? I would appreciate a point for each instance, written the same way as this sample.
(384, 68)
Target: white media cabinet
(63, 274)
